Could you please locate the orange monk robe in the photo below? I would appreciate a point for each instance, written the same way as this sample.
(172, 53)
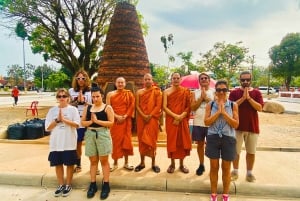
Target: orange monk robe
(179, 141)
(123, 103)
(150, 103)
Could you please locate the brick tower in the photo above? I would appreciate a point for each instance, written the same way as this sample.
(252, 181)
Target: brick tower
(124, 52)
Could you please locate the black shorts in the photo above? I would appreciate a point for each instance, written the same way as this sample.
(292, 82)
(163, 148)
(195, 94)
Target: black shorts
(220, 147)
(199, 133)
(80, 134)
(62, 158)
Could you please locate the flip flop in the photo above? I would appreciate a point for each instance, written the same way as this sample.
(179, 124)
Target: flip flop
(139, 168)
(171, 169)
(155, 169)
(128, 167)
(113, 168)
(184, 169)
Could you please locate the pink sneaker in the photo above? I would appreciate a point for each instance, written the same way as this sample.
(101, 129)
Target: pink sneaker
(213, 197)
(225, 197)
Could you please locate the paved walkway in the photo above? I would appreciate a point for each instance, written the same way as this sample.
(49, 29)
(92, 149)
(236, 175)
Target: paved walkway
(277, 172)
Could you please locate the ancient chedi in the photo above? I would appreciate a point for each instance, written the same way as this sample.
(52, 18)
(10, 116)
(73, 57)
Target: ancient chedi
(124, 52)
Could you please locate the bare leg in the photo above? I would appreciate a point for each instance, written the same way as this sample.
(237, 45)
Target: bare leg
(226, 176)
(93, 167)
(70, 169)
(105, 168)
(250, 158)
(59, 169)
(213, 175)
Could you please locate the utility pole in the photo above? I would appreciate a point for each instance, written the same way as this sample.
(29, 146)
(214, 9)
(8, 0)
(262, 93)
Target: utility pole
(24, 65)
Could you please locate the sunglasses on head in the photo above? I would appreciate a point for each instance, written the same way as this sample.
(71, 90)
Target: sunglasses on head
(204, 78)
(62, 96)
(243, 80)
(80, 78)
(221, 89)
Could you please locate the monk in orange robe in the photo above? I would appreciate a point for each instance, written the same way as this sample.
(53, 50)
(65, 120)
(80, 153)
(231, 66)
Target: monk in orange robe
(123, 104)
(148, 106)
(176, 104)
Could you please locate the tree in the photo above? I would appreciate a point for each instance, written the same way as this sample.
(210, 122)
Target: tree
(225, 60)
(186, 58)
(57, 80)
(69, 32)
(40, 74)
(167, 42)
(160, 75)
(286, 58)
(16, 73)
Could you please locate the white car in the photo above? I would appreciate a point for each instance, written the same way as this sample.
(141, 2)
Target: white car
(264, 90)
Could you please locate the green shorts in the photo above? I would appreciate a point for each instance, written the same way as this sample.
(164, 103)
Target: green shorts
(98, 142)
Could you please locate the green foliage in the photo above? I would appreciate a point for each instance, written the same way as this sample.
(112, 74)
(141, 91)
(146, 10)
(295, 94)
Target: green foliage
(57, 80)
(286, 58)
(41, 73)
(224, 60)
(160, 75)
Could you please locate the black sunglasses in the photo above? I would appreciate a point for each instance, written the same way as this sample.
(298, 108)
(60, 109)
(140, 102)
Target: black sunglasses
(63, 96)
(243, 80)
(204, 78)
(221, 89)
(80, 78)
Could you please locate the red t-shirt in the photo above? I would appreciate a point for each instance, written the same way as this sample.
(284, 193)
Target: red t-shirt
(15, 92)
(248, 116)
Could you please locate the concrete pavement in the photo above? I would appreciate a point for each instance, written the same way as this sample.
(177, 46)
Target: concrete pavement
(277, 172)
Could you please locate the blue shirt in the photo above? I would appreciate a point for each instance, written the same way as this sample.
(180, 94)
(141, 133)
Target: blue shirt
(220, 126)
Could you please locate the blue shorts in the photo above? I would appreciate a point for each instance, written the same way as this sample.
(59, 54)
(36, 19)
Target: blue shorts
(199, 133)
(68, 157)
(220, 147)
(80, 134)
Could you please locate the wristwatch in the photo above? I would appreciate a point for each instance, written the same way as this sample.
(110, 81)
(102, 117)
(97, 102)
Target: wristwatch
(56, 120)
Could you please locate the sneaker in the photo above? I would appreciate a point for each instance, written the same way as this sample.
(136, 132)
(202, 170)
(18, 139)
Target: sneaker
(213, 197)
(67, 190)
(234, 176)
(200, 170)
(92, 190)
(59, 190)
(225, 197)
(250, 178)
(105, 190)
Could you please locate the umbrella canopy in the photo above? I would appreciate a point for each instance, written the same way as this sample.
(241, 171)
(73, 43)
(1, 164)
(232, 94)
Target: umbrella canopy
(191, 81)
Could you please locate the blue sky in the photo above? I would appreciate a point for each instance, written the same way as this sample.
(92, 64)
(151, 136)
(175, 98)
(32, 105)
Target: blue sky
(196, 25)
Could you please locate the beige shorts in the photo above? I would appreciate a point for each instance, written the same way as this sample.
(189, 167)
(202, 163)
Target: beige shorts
(250, 140)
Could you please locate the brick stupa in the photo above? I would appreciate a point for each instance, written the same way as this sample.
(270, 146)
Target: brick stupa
(124, 52)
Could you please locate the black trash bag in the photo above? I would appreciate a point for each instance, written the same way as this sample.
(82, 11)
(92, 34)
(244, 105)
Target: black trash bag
(34, 129)
(16, 131)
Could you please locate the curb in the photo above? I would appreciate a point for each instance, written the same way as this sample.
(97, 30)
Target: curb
(165, 184)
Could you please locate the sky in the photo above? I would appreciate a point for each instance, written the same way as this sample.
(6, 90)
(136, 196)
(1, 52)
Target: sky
(196, 26)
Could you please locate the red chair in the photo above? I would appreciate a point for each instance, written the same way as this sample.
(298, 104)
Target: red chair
(33, 108)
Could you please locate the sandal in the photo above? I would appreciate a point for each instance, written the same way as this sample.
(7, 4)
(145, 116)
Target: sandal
(128, 167)
(184, 169)
(139, 168)
(155, 169)
(113, 168)
(77, 169)
(171, 169)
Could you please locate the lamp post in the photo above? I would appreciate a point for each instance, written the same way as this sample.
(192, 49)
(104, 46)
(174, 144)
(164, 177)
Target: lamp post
(24, 64)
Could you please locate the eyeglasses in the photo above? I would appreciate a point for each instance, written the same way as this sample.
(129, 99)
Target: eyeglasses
(204, 78)
(80, 78)
(243, 80)
(221, 89)
(63, 96)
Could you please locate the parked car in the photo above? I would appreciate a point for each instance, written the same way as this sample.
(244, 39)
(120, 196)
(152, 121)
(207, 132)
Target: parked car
(264, 90)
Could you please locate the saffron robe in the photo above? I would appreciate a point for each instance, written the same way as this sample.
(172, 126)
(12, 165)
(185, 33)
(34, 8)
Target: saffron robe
(150, 103)
(123, 103)
(179, 143)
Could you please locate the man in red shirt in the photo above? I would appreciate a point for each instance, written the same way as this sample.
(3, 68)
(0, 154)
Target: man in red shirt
(250, 102)
(15, 95)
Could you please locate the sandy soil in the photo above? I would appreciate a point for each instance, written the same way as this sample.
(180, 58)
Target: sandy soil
(277, 130)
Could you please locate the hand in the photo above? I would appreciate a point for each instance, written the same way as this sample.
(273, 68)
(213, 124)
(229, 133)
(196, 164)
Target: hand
(93, 117)
(147, 118)
(60, 115)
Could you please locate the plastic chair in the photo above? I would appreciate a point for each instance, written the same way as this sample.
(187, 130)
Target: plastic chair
(33, 108)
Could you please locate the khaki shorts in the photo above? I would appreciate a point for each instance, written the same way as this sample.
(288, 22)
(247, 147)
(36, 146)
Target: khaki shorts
(98, 142)
(250, 140)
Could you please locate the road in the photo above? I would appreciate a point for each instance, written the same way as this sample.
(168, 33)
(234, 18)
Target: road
(26, 193)
(25, 99)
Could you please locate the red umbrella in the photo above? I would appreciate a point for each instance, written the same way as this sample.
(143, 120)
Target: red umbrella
(192, 82)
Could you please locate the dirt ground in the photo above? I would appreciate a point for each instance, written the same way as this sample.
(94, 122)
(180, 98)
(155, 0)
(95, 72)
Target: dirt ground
(277, 130)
